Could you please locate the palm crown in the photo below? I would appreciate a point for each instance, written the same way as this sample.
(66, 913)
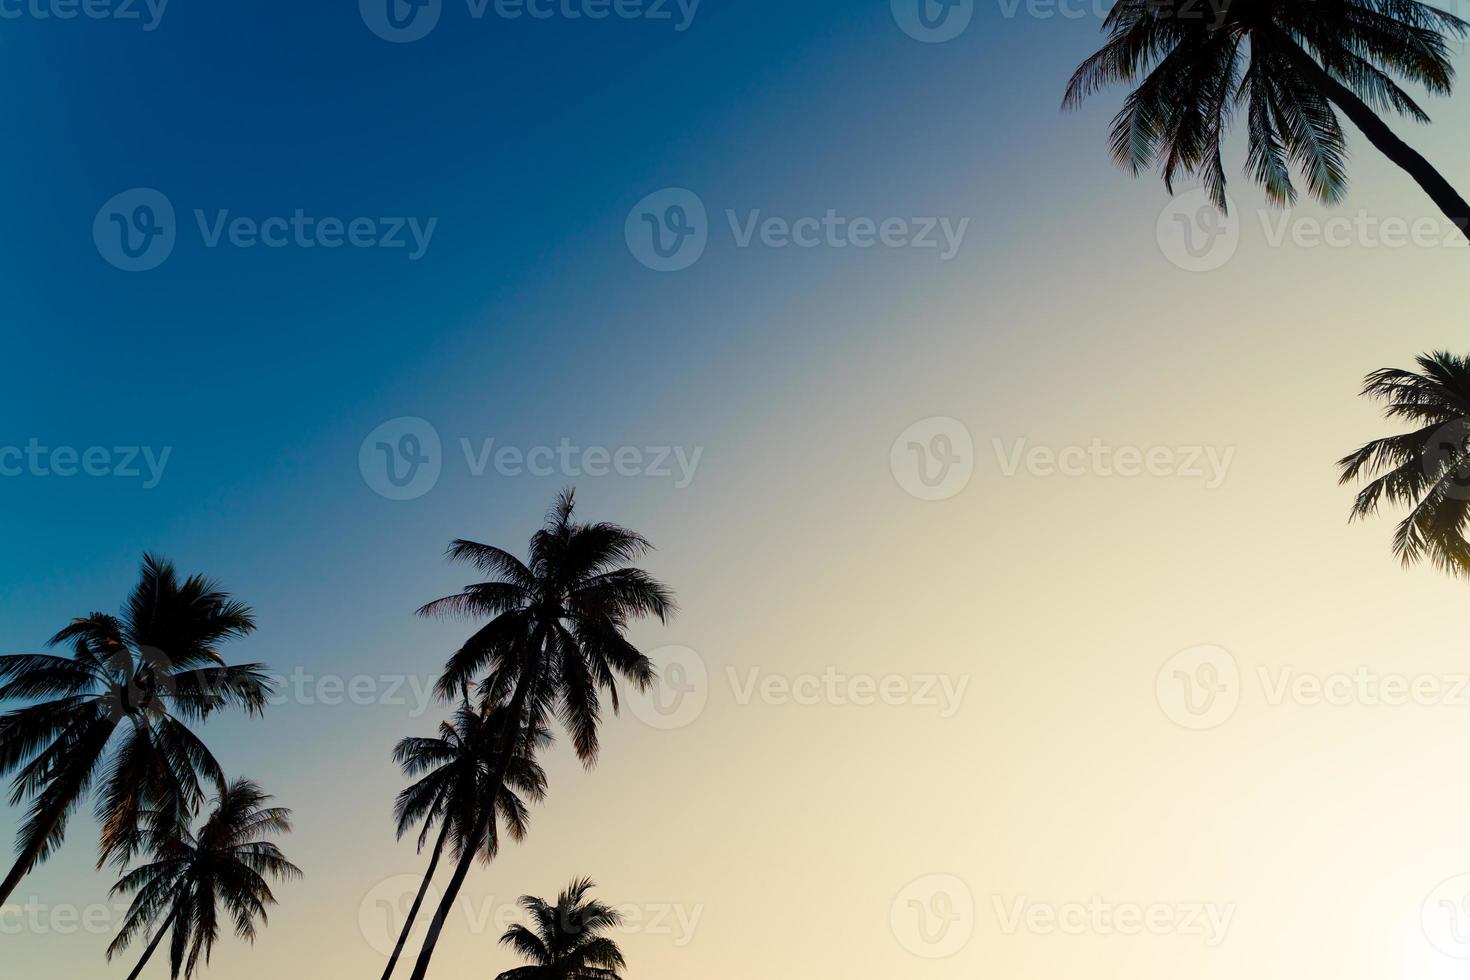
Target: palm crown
(556, 621)
(454, 771)
(1286, 63)
(190, 877)
(563, 941)
(1428, 467)
(119, 705)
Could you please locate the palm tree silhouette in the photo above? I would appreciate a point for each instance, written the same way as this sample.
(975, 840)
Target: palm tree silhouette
(191, 877)
(562, 941)
(555, 639)
(1427, 467)
(118, 706)
(1289, 63)
(454, 771)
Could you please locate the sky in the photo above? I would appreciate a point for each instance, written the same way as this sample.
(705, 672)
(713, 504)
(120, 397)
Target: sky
(963, 463)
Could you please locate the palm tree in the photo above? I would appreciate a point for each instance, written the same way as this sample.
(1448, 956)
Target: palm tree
(554, 640)
(118, 706)
(190, 877)
(1427, 467)
(455, 769)
(562, 941)
(1289, 63)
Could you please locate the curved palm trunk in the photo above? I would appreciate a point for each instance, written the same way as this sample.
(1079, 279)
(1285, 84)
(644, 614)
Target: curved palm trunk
(418, 901)
(1445, 197)
(148, 953)
(462, 867)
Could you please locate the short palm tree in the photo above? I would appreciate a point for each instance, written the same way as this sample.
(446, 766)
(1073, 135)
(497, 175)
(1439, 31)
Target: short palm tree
(454, 769)
(1288, 63)
(562, 941)
(554, 641)
(189, 878)
(118, 707)
(1426, 468)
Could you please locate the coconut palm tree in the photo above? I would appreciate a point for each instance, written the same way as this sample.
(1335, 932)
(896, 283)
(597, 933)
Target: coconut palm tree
(1290, 64)
(554, 642)
(562, 941)
(190, 878)
(454, 769)
(117, 708)
(1427, 467)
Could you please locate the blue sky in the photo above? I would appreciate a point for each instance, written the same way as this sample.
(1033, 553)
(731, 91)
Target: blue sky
(528, 320)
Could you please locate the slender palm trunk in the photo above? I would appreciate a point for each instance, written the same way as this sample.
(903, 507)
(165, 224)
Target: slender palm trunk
(508, 745)
(147, 953)
(418, 900)
(1445, 197)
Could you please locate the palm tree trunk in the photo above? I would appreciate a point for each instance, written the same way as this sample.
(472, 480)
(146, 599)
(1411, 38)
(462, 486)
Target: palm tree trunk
(1445, 197)
(147, 953)
(462, 867)
(418, 901)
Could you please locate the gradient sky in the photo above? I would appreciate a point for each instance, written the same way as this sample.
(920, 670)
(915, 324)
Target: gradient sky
(761, 836)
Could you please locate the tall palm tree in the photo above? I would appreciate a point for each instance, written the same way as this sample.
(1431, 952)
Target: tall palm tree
(118, 707)
(190, 877)
(454, 771)
(554, 641)
(562, 941)
(1427, 467)
(1289, 63)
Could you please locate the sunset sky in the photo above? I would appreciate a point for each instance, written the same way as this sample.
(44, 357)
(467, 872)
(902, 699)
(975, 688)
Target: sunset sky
(910, 727)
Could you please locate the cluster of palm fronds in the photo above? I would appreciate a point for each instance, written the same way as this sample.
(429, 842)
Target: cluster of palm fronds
(117, 712)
